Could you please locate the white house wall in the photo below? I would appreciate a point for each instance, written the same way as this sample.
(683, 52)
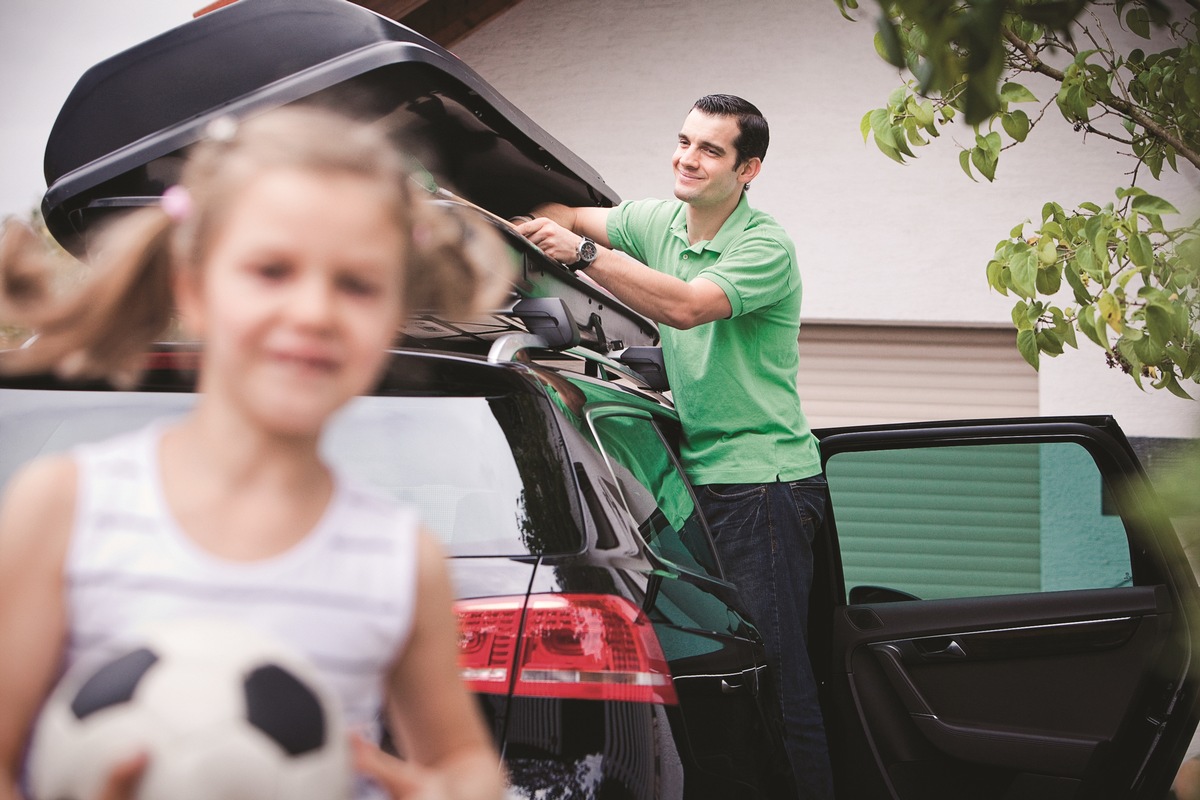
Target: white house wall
(879, 241)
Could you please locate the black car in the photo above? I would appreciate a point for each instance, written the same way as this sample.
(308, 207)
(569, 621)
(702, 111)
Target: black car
(1000, 608)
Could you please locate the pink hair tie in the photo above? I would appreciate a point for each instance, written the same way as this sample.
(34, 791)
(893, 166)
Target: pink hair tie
(176, 202)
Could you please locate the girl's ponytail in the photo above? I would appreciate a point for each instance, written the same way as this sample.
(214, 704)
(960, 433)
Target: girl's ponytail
(458, 265)
(102, 328)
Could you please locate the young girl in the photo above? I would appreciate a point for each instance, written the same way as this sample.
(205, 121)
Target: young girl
(290, 249)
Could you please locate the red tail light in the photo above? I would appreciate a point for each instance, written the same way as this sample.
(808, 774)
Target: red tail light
(579, 646)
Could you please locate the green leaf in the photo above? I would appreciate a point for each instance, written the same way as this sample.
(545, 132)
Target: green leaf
(1171, 384)
(1016, 93)
(923, 113)
(1068, 334)
(964, 161)
(1028, 347)
(1023, 268)
(1071, 274)
(1110, 309)
(1148, 204)
(1049, 342)
(887, 42)
(881, 126)
(865, 125)
(1016, 124)
(1159, 324)
(995, 276)
(913, 134)
(1086, 322)
(1085, 257)
(1047, 252)
(1138, 21)
(889, 151)
(984, 161)
(1141, 252)
(1049, 280)
(991, 143)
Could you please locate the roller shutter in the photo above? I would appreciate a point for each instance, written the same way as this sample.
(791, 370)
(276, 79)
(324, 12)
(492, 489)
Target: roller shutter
(853, 374)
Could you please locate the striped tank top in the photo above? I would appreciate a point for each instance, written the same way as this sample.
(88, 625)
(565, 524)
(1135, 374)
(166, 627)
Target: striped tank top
(344, 596)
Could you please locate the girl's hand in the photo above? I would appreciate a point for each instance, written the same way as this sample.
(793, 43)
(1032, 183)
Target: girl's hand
(402, 780)
(123, 781)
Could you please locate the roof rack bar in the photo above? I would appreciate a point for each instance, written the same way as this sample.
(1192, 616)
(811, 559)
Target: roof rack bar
(618, 367)
(507, 347)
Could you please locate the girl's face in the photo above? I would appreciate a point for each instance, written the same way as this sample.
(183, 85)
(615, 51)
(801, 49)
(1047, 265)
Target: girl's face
(298, 297)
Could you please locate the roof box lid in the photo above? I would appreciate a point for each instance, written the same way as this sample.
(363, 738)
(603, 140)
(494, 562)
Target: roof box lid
(119, 137)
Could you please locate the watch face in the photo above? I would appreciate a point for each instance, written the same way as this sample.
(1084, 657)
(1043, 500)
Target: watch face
(587, 251)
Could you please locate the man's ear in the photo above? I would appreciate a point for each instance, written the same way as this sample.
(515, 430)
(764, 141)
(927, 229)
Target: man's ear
(749, 170)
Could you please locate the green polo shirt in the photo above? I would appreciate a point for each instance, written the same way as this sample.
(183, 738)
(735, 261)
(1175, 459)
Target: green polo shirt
(733, 380)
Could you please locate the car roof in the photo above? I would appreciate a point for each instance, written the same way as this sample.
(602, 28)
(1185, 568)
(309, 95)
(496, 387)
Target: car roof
(119, 136)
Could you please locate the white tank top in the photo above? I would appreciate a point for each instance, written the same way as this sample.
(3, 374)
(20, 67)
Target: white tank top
(344, 596)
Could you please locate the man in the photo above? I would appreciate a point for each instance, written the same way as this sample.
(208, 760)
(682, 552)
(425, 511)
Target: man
(723, 281)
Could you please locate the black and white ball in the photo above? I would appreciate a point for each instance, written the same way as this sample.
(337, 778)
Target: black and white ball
(223, 712)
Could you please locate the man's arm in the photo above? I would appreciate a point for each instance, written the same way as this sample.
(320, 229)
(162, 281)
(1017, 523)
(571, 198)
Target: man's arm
(661, 297)
(588, 221)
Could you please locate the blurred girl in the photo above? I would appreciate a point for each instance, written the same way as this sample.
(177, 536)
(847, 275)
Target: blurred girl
(290, 249)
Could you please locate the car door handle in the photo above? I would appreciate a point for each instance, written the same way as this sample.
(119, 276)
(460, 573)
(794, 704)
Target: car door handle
(746, 683)
(938, 649)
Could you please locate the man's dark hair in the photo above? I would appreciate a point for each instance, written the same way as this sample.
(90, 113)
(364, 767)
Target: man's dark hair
(753, 134)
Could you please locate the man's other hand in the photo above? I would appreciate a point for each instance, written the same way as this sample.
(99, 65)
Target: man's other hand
(552, 239)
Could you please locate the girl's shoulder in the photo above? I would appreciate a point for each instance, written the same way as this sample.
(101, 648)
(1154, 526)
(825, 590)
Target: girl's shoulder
(38, 507)
(46, 479)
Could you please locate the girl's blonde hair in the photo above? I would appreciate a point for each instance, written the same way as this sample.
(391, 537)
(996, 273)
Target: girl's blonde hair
(456, 264)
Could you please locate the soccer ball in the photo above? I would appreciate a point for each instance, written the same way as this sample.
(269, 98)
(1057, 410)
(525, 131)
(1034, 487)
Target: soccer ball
(222, 712)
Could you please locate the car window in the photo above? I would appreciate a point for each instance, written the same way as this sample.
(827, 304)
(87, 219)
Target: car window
(968, 521)
(481, 475)
(41, 422)
(655, 491)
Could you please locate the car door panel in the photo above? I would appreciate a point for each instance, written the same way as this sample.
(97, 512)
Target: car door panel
(1035, 688)
(956, 687)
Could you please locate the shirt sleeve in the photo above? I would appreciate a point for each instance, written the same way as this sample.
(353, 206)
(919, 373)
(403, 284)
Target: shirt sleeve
(754, 272)
(629, 225)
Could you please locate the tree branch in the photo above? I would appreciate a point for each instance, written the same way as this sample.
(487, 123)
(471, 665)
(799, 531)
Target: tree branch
(1035, 63)
(1117, 104)
(1107, 135)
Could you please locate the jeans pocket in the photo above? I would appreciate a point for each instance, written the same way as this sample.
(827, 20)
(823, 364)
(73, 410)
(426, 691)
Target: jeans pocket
(732, 491)
(811, 498)
(733, 510)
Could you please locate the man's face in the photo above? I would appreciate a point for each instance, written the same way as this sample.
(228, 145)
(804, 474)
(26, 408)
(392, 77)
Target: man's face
(705, 162)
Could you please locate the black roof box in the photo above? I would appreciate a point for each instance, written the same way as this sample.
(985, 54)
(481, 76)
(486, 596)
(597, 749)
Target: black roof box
(119, 136)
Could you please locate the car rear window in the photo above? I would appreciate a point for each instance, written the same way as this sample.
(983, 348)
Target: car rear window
(483, 470)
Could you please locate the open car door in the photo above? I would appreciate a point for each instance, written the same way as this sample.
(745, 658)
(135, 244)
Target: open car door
(1012, 614)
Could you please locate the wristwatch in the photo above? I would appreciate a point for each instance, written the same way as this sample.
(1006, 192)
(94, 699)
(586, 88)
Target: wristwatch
(585, 254)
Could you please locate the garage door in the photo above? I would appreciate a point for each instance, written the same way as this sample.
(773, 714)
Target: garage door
(854, 374)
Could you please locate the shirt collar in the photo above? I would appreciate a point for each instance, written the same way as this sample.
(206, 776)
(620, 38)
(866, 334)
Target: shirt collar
(733, 225)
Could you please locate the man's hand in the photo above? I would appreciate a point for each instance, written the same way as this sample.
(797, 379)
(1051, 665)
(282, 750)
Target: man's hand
(552, 239)
(661, 297)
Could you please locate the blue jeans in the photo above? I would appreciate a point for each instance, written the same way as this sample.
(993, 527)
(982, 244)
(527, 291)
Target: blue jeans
(764, 534)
